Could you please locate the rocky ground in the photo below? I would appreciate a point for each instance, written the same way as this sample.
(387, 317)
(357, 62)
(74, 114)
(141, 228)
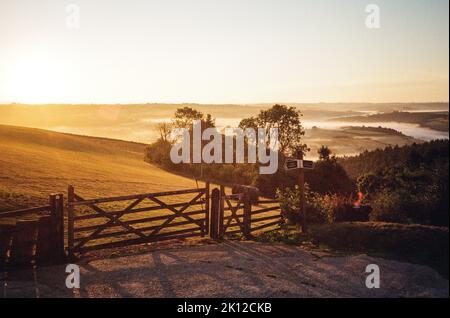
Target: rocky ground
(228, 269)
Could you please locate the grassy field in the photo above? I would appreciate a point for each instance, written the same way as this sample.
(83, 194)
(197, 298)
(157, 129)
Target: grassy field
(35, 163)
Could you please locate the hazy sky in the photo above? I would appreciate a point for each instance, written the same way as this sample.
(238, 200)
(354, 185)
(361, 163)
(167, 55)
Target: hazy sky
(229, 51)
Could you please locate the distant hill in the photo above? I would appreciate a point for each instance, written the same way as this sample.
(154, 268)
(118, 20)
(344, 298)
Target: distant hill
(352, 140)
(35, 163)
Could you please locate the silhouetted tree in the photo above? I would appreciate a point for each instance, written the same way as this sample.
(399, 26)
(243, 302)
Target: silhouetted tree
(184, 117)
(287, 120)
(324, 153)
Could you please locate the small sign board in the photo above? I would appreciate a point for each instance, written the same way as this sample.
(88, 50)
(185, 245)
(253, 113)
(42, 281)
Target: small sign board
(292, 164)
(307, 164)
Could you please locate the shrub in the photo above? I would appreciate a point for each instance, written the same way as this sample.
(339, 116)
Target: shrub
(403, 206)
(290, 204)
(329, 176)
(328, 208)
(413, 193)
(159, 153)
(319, 208)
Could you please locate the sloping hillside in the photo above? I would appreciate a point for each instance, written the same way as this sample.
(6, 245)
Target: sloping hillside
(35, 163)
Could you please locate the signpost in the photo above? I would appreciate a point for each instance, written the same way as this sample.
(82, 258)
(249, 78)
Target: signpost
(293, 164)
(300, 165)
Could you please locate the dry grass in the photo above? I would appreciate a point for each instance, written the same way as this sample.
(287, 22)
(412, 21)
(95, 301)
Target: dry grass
(35, 163)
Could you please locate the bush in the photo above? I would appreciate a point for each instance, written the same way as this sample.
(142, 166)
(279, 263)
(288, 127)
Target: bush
(329, 176)
(413, 193)
(290, 204)
(159, 153)
(402, 206)
(328, 208)
(340, 208)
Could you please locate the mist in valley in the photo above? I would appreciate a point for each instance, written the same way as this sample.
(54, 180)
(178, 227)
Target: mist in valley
(325, 124)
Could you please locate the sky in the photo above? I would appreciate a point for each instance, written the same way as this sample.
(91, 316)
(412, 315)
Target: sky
(229, 51)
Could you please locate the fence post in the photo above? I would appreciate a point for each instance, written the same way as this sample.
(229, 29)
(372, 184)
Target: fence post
(45, 243)
(247, 215)
(57, 225)
(207, 208)
(60, 225)
(214, 219)
(70, 233)
(221, 211)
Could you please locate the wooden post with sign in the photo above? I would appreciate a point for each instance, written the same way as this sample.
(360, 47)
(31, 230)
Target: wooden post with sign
(301, 184)
(301, 165)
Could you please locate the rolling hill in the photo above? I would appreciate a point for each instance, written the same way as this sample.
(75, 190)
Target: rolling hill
(35, 163)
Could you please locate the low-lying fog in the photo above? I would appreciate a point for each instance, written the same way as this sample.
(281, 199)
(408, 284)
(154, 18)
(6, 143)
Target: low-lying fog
(138, 122)
(411, 130)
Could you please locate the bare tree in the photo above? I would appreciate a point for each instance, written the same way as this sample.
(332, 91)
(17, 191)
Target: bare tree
(164, 130)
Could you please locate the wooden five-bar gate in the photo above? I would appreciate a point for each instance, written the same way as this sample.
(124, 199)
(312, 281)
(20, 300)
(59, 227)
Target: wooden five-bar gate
(104, 227)
(109, 222)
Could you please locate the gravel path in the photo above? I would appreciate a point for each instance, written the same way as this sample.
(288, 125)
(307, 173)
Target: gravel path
(230, 269)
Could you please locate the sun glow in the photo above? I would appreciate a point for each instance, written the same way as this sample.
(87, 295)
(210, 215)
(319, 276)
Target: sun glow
(34, 80)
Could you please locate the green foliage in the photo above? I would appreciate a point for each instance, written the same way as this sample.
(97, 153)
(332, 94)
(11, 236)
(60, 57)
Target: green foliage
(184, 117)
(324, 153)
(329, 177)
(321, 208)
(287, 120)
(286, 235)
(290, 204)
(159, 153)
(405, 184)
(408, 195)
(432, 154)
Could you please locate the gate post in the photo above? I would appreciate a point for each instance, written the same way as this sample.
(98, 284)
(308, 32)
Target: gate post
(247, 215)
(57, 223)
(207, 208)
(221, 211)
(70, 232)
(214, 219)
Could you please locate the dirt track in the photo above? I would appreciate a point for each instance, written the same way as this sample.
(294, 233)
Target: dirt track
(231, 269)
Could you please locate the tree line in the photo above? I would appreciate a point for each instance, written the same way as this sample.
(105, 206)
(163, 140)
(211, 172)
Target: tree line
(400, 184)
